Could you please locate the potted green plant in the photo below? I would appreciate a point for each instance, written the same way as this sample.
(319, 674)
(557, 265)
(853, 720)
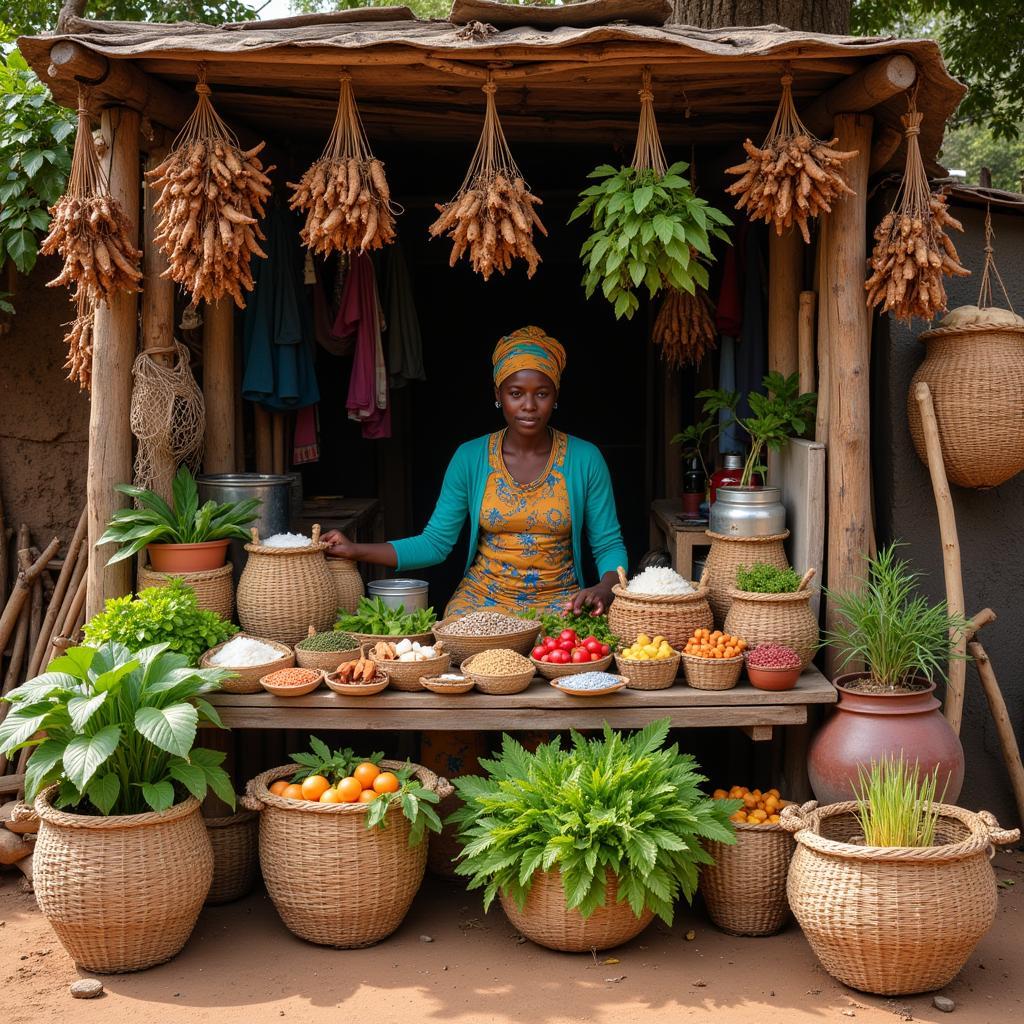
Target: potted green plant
(894, 889)
(183, 536)
(584, 846)
(122, 863)
(905, 642)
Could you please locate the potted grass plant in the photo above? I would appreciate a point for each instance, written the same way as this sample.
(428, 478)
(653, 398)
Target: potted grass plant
(904, 643)
(122, 864)
(180, 537)
(893, 889)
(583, 847)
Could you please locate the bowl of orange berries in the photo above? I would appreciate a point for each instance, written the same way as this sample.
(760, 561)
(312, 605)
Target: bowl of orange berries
(759, 808)
(365, 784)
(713, 660)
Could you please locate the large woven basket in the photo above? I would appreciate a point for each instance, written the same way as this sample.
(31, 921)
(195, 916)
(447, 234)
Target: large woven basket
(499, 686)
(284, 591)
(546, 920)
(657, 674)
(745, 889)
(247, 679)
(974, 368)
(893, 920)
(728, 554)
(348, 584)
(784, 619)
(463, 647)
(712, 673)
(406, 675)
(673, 616)
(122, 892)
(332, 880)
(236, 859)
(326, 660)
(214, 588)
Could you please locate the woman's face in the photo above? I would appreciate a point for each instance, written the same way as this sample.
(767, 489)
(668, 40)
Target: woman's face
(527, 400)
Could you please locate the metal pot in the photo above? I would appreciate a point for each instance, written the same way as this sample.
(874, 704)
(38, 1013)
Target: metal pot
(748, 512)
(410, 594)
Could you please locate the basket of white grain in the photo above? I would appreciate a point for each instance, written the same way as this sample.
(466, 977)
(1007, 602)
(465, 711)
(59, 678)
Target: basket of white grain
(407, 661)
(659, 601)
(247, 658)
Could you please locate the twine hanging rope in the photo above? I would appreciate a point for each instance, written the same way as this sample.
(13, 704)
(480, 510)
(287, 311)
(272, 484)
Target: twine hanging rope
(168, 418)
(648, 154)
(990, 270)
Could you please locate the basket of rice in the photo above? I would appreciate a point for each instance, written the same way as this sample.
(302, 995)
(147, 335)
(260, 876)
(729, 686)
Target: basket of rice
(466, 635)
(248, 658)
(326, 650)
(499, 672)
(658, 600)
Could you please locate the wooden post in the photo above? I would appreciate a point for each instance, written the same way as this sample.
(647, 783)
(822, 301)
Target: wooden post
(785, 280)
(861, 91)
(805, 341)
(263, 432)
(849, 410)
(114, 340)
(822, 284)
(219, 386)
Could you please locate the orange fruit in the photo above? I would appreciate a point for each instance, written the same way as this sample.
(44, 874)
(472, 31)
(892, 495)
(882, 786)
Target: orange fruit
(738, 816)
(314, 787)
(367, 796)
(279, 787)
(330, 796)
(365, 774)
(719, 794)
(348, 790)
(386, 782)
(293, 792)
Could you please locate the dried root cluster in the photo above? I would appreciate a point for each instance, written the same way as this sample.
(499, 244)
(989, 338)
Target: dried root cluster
(494, 219)
(685, 327)
(79, 342)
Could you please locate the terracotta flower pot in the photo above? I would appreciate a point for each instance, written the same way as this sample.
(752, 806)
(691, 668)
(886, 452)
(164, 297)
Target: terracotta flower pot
(868, 726)
(211, 554)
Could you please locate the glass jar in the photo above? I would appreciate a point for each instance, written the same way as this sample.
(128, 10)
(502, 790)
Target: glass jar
(695, 484)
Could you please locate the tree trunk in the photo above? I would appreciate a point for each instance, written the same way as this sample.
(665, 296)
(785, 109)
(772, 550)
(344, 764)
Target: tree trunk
(832, 17)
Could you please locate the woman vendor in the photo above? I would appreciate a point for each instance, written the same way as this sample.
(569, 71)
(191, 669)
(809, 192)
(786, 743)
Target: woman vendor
(531, 494)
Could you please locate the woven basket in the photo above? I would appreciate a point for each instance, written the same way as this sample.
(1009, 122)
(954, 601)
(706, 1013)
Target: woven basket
(247, 679)
(893, 921)
(975, 372)
(122, 892)
(406, 675)
(284, 591)
(673, 616)
(236, 860)
(463, 647)
(547, 671)
(326, 660)
(214, 589)
(500, 686)
(546, 920)
(784, 619)
(712, 673)
(369, 639)
(728, 554)
(332, 880)
(348, 584)
(658, 674)
(745, 888)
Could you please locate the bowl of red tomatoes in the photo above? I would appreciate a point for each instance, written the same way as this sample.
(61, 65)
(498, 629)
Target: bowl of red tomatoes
(567, 654)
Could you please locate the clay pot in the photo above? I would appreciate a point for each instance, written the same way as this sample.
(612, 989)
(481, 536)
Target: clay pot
(211, 554)
(868, 726)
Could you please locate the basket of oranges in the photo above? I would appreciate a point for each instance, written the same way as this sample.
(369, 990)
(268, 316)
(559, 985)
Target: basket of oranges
(323, 815)
(745, 888)
(713, 660)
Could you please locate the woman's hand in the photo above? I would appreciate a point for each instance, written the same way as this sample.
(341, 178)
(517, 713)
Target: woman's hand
(340, 545)
(595, 599)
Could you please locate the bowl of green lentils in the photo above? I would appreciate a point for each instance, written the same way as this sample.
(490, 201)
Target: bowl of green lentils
(326, 650)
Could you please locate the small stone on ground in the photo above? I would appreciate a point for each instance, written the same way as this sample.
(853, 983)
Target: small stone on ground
(943, 1003)
(426, 938)
(86, 988)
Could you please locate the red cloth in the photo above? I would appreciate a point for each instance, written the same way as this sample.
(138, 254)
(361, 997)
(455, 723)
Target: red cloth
(359, 314)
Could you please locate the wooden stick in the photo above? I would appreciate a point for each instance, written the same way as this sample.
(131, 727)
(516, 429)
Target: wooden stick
(822, 285)
(785, 263)
(76, 613)
(219, 386)
(81, 568)
(983, 618)
(278, 436)
(35, 618)
(4, 567)
(263, 432)
(805, 341)
(22, 591)
(950, 553)
(1004, 727)
(14, 671)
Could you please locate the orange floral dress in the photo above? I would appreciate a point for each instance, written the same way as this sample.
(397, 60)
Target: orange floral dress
(524, 557)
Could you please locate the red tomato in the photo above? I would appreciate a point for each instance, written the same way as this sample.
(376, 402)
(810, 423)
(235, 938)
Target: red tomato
(550, 643)
(593, 646)
(564, 658)
(579, 656)
(595, 657)
(566, 645)
(589, 639)
(605, 650)
(569, 634)
(539, 652)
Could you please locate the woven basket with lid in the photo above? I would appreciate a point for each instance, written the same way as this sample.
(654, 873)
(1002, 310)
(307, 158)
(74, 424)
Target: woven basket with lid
(673, 616)
(284, 591)
(214, 588)
(974, 368)
(728, 554)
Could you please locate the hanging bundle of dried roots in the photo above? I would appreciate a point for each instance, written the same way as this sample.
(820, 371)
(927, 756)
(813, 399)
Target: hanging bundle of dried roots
(89, 228)
(685, 327)
(793, 175)
(345, 194)
(211, 198)
(79, 341)
(912, 250)
(493, 212)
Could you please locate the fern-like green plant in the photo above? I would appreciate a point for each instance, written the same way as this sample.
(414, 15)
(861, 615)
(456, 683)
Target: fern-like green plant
(625, 804)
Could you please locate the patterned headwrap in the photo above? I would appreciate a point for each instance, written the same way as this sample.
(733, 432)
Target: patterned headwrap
(529, 348)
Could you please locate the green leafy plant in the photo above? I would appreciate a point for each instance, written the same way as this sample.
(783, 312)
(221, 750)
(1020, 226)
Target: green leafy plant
(415, 801)
(760, 578)
(374, 617)
(116, 730)
(696, 439)
(625, 804)
(898, 634)
(170, 615)
(156, 522)
(583, 624)
(648, 229)
(896, 805)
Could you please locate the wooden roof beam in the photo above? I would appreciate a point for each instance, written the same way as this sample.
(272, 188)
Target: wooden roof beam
(860, 92)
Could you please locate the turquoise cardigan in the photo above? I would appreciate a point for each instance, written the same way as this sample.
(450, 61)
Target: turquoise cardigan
(591, 507)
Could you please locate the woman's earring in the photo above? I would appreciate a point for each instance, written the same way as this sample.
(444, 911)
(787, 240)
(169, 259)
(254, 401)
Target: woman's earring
(497, 405)
(556, 405)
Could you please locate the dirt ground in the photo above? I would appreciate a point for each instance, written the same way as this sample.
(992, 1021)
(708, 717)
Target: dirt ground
(242, 965)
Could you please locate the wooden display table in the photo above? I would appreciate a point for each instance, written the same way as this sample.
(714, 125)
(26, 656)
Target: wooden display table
(668, 527)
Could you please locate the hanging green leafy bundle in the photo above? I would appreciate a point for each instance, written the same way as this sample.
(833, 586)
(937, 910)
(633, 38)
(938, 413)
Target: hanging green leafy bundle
(649, 226)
